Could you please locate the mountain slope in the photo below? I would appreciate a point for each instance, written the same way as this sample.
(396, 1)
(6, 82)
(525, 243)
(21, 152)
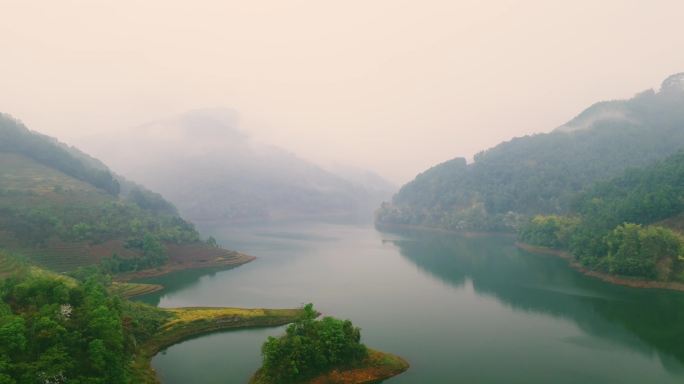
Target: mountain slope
(61, 212)
(541, 173)
(629, 225)
(240, 178)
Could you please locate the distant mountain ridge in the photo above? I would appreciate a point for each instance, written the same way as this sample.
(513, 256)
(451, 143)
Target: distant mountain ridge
(541, 173)
(212, 171)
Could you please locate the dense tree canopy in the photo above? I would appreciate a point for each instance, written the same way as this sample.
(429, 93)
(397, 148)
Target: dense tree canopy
(311, 346)
(58, 331)
(606, 228)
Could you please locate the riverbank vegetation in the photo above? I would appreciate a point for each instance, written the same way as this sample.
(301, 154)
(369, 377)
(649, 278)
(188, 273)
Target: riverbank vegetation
(625, 226)
(326, 350)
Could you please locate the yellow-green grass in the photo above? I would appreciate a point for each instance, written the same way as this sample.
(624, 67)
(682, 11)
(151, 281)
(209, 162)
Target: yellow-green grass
(128, 290)
(375, 368)
(186, 323)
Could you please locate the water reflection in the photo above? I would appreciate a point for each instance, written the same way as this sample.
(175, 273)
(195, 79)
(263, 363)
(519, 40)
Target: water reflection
(176, 282)
(647, 321)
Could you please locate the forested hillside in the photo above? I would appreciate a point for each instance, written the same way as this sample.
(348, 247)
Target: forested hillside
(543, 172)
(624, 225)
(62, 209)
(16, 138)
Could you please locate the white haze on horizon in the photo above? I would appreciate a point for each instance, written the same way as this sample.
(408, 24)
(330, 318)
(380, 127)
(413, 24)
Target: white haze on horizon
(393, 86)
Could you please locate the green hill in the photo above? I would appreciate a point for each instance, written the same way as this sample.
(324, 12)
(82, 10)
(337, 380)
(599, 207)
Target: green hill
(540, 174)
(629, 225)
(15, 138)
(62, 209)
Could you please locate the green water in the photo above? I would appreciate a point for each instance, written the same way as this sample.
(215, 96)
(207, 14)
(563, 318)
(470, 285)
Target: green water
(460, 309)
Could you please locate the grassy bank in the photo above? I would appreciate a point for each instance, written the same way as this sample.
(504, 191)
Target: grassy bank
(627, 281)
(377, 367)
(186, 323)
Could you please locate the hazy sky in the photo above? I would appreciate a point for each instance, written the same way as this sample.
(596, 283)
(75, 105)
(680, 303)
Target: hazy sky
(390, 85)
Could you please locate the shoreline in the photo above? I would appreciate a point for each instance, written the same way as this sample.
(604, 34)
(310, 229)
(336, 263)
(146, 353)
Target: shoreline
(376, 368)
(187, 323)
(171, 267)
(605, 277)
(389, 227)
(190, 322)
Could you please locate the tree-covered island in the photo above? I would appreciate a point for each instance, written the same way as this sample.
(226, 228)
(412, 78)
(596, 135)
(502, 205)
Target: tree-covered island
(328, 350)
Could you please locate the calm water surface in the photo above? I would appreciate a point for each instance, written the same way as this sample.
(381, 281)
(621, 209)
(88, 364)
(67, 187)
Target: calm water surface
(460, 309)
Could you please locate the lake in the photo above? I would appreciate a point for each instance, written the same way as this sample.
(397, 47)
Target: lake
(460, 309)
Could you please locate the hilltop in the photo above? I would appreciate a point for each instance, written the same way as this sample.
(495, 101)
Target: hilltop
(541, 173)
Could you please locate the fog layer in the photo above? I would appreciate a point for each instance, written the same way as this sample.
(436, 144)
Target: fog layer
(394, 86)
(213, 171)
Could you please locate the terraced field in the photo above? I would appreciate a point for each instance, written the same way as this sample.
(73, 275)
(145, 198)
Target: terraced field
(128, 290)
(62, 259)
(10, 264)
(27, 183)
(19, 173)
(60, 223)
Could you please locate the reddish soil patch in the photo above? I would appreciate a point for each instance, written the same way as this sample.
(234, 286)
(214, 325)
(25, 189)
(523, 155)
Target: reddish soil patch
(355, 376)
(376, 368)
